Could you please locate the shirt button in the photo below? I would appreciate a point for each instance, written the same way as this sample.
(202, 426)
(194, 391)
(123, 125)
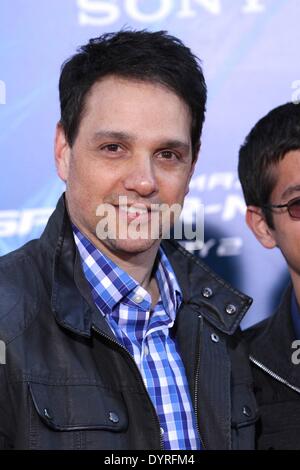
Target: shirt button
(146, 350)
(162, 431)
(47, 414)
(230, 309)
(113, 417)
(138, 299)
(247, 411)
(207, 292)
(215, 338)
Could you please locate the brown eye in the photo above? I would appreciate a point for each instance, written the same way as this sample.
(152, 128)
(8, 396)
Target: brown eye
(112, 147)
(168, 155)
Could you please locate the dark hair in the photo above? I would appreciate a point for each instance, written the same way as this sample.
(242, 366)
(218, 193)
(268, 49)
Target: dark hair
(140, 55)
(268, 142)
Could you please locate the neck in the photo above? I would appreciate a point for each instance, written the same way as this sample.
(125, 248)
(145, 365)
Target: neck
(139, 265)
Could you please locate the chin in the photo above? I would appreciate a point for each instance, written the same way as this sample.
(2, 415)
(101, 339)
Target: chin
(132, 246)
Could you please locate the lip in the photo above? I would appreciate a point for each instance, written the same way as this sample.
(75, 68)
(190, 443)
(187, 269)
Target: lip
(139, 206)
(134, 215)
(140, 212)
(134, 208)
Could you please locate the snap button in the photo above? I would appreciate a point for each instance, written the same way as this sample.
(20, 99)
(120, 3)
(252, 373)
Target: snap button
(215, 338)
(247, 411)
(113, 417)
(47, 414)
(138, 299)
(230, 309)
(207, 292)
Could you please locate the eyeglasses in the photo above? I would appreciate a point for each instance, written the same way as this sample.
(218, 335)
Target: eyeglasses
(293, 207)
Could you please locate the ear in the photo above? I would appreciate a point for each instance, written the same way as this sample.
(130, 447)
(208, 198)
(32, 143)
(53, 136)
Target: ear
(256, 221)
(62, 152)
(195, 158)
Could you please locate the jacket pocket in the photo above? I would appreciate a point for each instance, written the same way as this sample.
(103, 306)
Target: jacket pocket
(79, 407)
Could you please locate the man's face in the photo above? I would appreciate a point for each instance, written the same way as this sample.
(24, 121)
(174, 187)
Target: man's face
(286, 233)
(134, 141)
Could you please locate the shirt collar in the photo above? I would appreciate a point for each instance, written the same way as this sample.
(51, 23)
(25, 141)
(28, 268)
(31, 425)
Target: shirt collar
(169, 289)
(110, 284)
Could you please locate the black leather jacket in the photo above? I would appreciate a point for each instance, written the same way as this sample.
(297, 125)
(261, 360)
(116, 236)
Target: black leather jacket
(276, 379)
(67, 382)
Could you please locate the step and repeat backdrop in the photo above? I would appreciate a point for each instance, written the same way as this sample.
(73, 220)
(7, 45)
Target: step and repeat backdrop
(250, 55)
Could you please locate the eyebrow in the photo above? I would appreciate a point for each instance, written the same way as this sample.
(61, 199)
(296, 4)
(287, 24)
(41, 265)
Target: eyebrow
(118, 135)
(290, 190)
(124, 136)
(175, 144)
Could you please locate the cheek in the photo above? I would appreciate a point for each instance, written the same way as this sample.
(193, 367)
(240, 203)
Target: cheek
(174, 188)
(289, 244)
(90, 180)
(83, 188)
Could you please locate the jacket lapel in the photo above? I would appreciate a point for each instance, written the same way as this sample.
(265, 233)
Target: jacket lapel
(272, 347)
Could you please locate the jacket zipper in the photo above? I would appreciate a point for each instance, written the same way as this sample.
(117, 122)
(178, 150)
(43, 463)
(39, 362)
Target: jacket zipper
(196, 386)
(140, 378)
(272, 374)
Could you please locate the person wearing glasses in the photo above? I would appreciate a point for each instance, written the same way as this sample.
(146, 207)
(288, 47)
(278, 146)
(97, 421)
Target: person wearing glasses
(269, 171)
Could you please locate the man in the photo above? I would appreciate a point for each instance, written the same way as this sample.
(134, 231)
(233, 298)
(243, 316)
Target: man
(116, 342)
(269, 170)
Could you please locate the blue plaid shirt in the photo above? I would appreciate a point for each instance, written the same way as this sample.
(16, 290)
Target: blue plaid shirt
(146, 335)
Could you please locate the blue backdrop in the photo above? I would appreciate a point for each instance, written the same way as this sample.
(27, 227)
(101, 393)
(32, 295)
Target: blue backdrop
(250, 54)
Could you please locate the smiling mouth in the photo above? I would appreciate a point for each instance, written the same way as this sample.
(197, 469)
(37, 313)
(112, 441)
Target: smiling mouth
(134, 209)
(133, 212)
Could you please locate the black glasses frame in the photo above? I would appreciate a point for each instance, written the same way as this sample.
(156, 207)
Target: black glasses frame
(288, 205)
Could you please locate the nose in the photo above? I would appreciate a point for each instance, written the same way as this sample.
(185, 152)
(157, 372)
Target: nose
(141, 176)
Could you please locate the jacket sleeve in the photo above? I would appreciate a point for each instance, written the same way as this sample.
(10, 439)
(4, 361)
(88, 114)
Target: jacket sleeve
(6, 415)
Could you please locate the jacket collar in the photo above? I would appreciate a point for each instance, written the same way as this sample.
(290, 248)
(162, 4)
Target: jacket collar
(72, 303)
(205, 292)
